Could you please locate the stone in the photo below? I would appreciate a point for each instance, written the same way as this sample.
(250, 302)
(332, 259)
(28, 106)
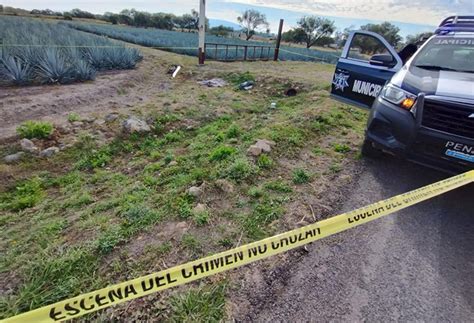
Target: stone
(28, 146)
(133, 125)
(195, 191)
(199, 208)
(264, 146)
(48, 152)
(11, 159)
(78, 124)
(111, 117)
(268, 142)
(254, 151)
(99, 122)
(225, 186)
(173, 163)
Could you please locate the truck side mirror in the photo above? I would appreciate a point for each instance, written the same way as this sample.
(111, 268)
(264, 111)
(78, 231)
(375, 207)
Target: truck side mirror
(382, 60)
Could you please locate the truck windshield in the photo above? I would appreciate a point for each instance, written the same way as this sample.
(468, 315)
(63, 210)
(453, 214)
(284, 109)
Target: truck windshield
(447, 53)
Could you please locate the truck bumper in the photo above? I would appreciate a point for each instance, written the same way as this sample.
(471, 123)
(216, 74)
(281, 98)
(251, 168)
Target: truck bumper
(400, 133)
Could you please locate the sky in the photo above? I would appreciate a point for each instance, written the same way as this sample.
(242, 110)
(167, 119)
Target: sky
(411, 16)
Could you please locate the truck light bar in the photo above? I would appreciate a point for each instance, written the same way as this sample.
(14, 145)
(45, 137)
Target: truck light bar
(456, 24)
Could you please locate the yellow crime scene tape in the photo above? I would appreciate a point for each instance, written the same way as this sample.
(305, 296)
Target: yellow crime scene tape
(243, 255)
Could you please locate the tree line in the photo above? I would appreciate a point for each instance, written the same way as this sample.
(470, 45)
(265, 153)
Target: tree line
(310, 30)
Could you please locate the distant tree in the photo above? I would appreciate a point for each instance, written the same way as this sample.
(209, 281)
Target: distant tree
(314, 28)
(221, 31)
(111, 17)
(295, 35)
(250, 21)
(387, 30)
(142, 19)
(78, 13)
(418, 39)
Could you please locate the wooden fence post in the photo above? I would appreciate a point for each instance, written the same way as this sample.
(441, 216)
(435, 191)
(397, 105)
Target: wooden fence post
(277, 48)
(202, 32)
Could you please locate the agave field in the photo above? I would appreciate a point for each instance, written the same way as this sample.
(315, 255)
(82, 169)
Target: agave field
(37, 52)
(187, 43)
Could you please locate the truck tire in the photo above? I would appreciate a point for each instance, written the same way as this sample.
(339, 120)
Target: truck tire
(368, 150)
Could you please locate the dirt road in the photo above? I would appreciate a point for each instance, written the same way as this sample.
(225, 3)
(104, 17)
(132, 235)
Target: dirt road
(417, 265)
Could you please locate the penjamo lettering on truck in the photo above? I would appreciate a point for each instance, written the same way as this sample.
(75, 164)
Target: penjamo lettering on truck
(366, 88)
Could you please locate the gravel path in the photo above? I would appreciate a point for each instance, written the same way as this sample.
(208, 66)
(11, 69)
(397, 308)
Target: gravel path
(417, 265)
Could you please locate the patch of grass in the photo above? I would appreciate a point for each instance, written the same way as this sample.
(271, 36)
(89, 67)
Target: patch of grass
(318, 151)
(233, 131)
(221, 153)
(255, 192)
(54, 277)
(201, 218)
(26, 194)
(278, 186)
(35, 129)
(184, 206)
(240, 170)
(238, 78)
(263, 213)
(335, 168)
(341, 148)
(95, 158)
(300, 176)
(107, 242)
(191, 243)
(72, 117)
(205, 304)
(264, 162)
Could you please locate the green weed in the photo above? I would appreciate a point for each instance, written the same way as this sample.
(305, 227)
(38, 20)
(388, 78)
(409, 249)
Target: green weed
(26, 194)
(72, 117)
(221, 153)
(240, 170)
(278, 186)
(205, 304)
(35, 129)
(341, 148)
(264, 162)
(300, 176)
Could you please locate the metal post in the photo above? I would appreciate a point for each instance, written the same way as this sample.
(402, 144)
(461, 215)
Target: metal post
(245, 52)
(277, 48)
(202, 31)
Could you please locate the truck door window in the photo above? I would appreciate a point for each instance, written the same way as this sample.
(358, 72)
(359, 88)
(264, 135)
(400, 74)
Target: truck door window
(363, 47)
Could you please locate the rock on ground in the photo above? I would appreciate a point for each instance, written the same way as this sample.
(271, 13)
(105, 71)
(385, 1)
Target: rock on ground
(10, 159)
(133, 124)
(199, 208)
(261, 146)
(28, 146)
(48, 152)
(225, 186)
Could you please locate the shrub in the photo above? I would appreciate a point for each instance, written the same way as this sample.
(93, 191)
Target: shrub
(221, 153)
(201, 218)
(341, 148)
(35, 129)
(25, 195)
(73, 117)
(264, 162)
(300, 176)
(240, 170)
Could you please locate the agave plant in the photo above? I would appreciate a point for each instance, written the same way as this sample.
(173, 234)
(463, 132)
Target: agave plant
(83, 71)
(53, 68)
(15, 71)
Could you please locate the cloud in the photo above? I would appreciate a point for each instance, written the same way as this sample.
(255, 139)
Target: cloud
(409, 11)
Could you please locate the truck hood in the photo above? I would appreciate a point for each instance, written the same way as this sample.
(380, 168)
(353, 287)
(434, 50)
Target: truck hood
(443, 83)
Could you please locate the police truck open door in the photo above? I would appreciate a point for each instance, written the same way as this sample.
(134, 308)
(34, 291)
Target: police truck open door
(366, 64)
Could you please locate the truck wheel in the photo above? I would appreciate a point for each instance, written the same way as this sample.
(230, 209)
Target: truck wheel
(368, 150)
